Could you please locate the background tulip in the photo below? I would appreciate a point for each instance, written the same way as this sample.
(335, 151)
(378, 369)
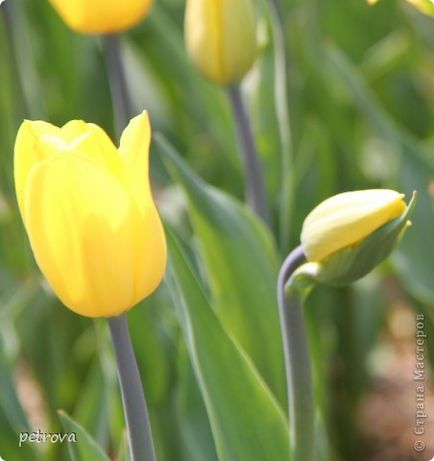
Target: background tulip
(89, 213)
(221, 38)
(99, 17)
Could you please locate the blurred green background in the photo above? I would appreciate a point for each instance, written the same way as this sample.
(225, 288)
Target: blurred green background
(361, 101)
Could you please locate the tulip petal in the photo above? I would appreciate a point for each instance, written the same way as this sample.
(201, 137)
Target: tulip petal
(79, 220)
(239, 46)
(203, 21)
(150, 253)
(91, 141)
(134, 150)
(221, 38)
(37, 141)
(29, 151)
(149, 239)
(100, 16)
(345, 219)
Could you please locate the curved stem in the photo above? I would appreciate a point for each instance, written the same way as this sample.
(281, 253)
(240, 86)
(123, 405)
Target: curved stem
(297, 363)
(136, 412)
(122, 105)
(253, 172)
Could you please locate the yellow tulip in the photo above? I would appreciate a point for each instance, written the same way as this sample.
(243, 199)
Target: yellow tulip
(348, 218)
(221, 38)
(101, 17)
(89, 213)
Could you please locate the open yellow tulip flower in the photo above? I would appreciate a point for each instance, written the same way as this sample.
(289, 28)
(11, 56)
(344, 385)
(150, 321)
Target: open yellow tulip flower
(221, 38)
(345, 219)
(101, 17)
(89, 213)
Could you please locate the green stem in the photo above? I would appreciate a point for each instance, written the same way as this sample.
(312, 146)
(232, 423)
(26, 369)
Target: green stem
(284, 122)
(122, 104)
(136, 412)
(7, 10)
(253, 172)
(297, 363)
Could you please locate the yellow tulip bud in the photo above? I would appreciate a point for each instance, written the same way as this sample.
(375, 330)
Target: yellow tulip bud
(101, 17)
(221, 38)
(89, 213)
(347, 235)
(346, 219)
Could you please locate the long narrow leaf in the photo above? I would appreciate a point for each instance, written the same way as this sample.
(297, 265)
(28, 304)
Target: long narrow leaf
(247, 422)
(242, 266)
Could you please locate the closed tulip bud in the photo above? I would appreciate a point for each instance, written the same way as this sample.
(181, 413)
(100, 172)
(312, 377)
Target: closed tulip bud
(101, 17)
(221, 38)
(347, 235)
(89, 214)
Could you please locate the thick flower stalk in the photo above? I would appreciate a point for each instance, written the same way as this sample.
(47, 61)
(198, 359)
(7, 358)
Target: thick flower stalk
(343, 239)
(221, 38)
(89, 213)
(101, 17)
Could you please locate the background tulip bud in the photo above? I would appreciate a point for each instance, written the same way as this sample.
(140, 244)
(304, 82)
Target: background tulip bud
(89, 213)
(346, 236)
(101, 17)
(221, 38)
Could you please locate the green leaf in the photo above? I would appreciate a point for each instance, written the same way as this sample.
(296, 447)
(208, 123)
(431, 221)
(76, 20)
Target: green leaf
(9, 401)
(242, 267)
(194, 425)
(85, 448)
(247, 422)
(92, 406)
(124, 452)
(415, 257)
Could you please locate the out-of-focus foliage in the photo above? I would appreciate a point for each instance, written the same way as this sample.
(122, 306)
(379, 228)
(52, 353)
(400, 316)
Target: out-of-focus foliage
(361, 100)
(426, 6)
